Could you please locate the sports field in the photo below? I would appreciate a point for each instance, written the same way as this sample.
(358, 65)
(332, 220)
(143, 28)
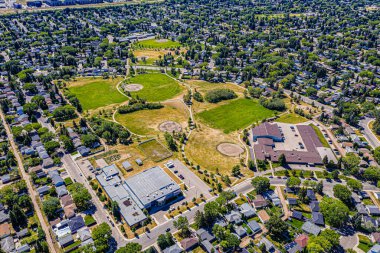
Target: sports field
(157, 43)
(96, 92)
(235, 115)
(157, 87)
(147, 122)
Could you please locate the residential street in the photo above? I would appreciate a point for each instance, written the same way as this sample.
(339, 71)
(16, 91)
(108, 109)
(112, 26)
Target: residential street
(367, 132)
(31, 191)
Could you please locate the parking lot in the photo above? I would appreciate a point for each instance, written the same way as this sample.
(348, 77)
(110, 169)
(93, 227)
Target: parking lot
(292, 138)
(194, 184)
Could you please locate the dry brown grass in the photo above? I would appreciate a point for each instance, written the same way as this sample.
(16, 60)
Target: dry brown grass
(202, 149)
(146, 122)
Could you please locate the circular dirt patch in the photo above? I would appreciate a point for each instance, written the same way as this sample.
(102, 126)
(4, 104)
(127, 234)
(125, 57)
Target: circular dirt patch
(229, 149)
(133, 87)
(170, 126)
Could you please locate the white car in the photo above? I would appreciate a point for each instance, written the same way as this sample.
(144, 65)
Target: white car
(170, 165)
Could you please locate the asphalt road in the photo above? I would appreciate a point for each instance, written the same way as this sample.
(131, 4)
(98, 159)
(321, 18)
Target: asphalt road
(368, 134)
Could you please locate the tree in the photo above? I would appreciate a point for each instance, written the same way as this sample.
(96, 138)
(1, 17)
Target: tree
(376, 154)
(319, 187)
(130, 247)
(30, 108)
(89, 140)
(18, 217)
(67, 142)
(165, 240)
(261, 184)
(51, 146)
(282, 160)
(372, 173)
(51, 207)
(182, 224)
(293, 182)
(351, 163)
(355, 185)
(334, 211)
(343, 193)
(101, 235)
(211, 212)
(170, 142)
(276, 226)
(116, 210)
(81, 196)
(236, 171)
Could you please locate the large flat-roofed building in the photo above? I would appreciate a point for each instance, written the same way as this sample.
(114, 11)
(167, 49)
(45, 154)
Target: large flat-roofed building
(115, 189)
(147, 189)
(268, 131)
(268, 145)
(152, 187)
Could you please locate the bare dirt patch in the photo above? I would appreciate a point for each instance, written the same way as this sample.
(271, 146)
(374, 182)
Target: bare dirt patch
(133, 87)
(170, 126)
(229, 149)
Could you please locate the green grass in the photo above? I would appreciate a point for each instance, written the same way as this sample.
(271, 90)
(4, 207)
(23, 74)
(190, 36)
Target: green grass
(291, 118)
(155, 150)
(157, 87)
(321, 138)
(157, 44)
(97, 92)
(296, 223)
(89, 220)
(365, 243)
(235, 115)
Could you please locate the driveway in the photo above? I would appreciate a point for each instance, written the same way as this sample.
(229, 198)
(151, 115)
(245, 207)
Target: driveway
(349, 241)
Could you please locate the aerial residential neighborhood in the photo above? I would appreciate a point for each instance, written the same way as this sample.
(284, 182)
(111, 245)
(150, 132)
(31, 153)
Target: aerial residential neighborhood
(189, 126)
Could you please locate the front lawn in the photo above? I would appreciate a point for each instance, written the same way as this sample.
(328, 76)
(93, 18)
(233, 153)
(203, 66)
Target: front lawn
(235, 115)
(156, 87)
(365, 243)
(89, 220)
(96, 92)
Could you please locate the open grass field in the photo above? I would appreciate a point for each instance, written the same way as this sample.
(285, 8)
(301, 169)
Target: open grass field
(150, 56)
(157, 87)
(155, 150)
(321, 138)
(146, 122)
(235, 115)
(96, 92)
(203, 87)
(291, 118)
(202, 150)
(157, 43)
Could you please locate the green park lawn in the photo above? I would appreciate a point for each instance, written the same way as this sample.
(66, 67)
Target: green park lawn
(291, 118)
(235, 115)
(96, 92)
(157, 43)
(157, 87)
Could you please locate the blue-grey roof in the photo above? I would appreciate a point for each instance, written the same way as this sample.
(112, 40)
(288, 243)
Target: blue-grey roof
(150, 185)
(126, 164)
(254, 226)
(375, 249)
(76, 223)
(311, 228)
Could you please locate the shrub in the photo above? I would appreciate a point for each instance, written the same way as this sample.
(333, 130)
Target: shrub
(217, 95)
